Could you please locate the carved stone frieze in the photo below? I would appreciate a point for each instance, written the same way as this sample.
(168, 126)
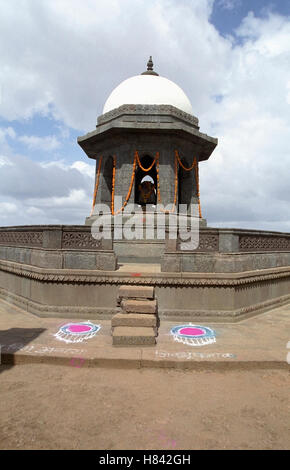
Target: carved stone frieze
(264, 243)
(21, 238)
(75, 239)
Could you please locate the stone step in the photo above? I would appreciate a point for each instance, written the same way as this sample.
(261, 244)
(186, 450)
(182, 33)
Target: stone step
(139, 306)
(134, 319)
(137, 336)
(136, 292)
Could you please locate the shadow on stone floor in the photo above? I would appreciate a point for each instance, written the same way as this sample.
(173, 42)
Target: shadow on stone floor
(14, 339)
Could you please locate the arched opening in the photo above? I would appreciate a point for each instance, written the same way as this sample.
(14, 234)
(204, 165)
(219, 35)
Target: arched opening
(185, 183)
(146, 183)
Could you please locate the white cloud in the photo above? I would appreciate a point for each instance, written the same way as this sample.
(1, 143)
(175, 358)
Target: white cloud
(7, 207)
(229, 4)
(84, 168)
(32, 192)
(48, 143)
(6, 132)
(5, 161)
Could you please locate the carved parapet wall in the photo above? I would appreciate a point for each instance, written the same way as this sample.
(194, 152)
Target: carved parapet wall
(267, 242)
(62, 271)
(228, 250)
(56, 246)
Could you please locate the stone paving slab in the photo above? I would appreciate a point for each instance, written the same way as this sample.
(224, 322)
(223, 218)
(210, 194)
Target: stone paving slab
(257, 342)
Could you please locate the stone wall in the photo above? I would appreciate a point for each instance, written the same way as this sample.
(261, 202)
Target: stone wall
(61, 271)
(56, 246)
(229, 250)
(79, 293)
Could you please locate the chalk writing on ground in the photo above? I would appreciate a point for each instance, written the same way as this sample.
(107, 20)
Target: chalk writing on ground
(194, 355)
(39, 349)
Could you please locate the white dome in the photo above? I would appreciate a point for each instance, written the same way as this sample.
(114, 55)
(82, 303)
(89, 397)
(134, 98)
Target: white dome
(148, 89)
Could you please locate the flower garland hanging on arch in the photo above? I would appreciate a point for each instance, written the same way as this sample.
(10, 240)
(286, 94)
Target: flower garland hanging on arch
(96, 185)
(152, 164)
(136, 161)
(181, 164)
(113, 186)
(195, 166)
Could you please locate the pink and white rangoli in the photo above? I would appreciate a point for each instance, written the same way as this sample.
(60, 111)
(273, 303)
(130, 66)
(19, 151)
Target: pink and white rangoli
(77, 332)
(193, 335)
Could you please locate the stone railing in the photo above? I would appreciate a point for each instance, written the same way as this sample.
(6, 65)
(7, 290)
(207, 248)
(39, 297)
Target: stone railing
(52, 236)
(228, 250)
(56, 246)
(236, 240)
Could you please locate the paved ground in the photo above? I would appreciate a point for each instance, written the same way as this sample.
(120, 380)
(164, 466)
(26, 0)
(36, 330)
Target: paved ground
(257, 342)
(235, 395)
(56, 407)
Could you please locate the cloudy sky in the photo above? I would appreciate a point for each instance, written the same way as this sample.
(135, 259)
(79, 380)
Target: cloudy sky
(60, 59)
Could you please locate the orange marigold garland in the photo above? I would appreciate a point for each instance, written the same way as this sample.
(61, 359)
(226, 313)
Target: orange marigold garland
(113, 184)
(181, 164)
(130, 188)
(156, 160)
(195, 166)
(197, 186)
(96, 185)
(140, 164)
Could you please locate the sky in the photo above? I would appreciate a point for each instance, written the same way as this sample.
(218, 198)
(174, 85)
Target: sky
(60, 60)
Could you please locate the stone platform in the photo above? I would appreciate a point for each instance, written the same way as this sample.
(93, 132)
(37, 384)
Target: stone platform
(257, 343)
(61, 271)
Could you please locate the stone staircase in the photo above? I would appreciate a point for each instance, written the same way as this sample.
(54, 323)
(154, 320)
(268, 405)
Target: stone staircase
(137, 323)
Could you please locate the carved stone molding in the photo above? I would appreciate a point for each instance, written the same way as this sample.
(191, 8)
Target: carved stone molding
(224, 314)
(149, 109)
(63, 276)
(103, 313)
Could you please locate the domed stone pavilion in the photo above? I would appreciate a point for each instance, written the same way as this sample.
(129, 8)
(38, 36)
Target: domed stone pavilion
(147, 129)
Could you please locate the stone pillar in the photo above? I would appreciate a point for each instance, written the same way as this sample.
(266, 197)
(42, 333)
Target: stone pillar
(105, 181)
(124, 168)
(52, 238)
(194, 194)
(228, 241)
(166, 175)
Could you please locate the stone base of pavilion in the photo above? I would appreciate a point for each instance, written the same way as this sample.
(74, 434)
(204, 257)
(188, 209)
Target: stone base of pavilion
(61, 271)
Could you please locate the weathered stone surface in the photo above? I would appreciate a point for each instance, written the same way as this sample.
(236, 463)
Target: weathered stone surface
(46, 259)
(106, 261)
(134, 319)
(146, 292)
(228, 242)
(130, 336)
(139, 306)
(171, 263)
(78, 260)
(52, 238)
(139, 251)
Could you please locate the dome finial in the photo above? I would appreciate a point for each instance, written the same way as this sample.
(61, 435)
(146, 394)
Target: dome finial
(150, 70)
(150, 64)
